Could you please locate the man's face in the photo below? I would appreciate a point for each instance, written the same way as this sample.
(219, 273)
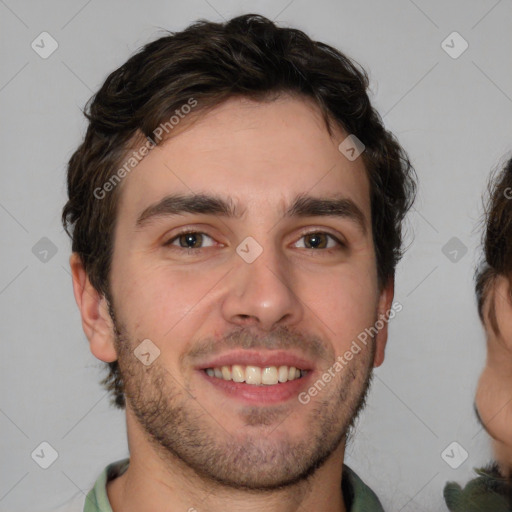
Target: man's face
(270, 287)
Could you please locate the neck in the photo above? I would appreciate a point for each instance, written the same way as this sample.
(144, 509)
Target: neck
(154, 481)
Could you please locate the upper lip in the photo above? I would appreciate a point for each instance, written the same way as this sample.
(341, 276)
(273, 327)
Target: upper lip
(262, 358)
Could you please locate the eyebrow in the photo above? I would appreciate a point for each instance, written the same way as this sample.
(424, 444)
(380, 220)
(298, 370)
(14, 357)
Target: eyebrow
(302, 206)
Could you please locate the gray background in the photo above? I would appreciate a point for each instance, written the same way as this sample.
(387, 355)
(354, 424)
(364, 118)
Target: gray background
(454, 116)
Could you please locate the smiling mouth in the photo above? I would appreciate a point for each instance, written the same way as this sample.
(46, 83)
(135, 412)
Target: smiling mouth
(256, 375)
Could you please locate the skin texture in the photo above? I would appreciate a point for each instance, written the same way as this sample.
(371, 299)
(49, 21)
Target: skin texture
(494, 392)
(190, 444)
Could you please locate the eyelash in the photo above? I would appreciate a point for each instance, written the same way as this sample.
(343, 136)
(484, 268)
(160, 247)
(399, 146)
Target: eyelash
(169, 243)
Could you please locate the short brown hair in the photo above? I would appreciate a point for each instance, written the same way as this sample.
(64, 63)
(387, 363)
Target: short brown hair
(497, 240)
(246, 56)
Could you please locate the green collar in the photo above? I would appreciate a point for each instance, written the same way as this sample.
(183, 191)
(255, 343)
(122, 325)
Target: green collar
(97, 499)
(489, 491)
(357, 495)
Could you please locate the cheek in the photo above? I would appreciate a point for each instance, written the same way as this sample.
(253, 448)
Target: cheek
(158, 301)
(346, 302)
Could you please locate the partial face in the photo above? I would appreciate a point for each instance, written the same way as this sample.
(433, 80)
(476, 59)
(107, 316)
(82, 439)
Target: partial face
(250, 293)
(494, 392)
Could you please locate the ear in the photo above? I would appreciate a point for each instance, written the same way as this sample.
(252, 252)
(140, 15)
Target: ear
(96, 321)
(384, 312)
(503, 310)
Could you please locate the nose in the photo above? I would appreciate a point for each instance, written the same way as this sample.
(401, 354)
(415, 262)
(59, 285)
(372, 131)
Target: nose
(261, 293)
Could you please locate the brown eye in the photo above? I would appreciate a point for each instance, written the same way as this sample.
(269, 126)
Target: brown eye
(316, 241)
(319, 240)
(191, 240)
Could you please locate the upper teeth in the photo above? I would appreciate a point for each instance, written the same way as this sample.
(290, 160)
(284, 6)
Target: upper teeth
(255, 375)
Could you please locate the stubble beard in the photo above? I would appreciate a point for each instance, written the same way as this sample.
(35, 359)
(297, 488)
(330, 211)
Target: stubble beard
(181, 430)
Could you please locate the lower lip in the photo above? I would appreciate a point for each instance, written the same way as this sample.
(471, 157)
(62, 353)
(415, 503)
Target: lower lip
(260, 394)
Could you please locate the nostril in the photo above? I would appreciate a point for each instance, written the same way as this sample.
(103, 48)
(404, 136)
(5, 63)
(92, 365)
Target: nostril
(249, 322)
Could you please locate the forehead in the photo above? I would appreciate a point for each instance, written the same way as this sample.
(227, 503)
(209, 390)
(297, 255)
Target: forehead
(261, 154)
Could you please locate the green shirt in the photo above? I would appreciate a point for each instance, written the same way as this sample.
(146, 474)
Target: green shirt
(357, 495)
(488, 492)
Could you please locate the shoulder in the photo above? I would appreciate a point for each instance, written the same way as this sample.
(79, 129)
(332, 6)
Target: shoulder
(488, 491)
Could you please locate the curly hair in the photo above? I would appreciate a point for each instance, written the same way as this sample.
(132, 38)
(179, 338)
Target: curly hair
(246, 56)
(497, 239)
